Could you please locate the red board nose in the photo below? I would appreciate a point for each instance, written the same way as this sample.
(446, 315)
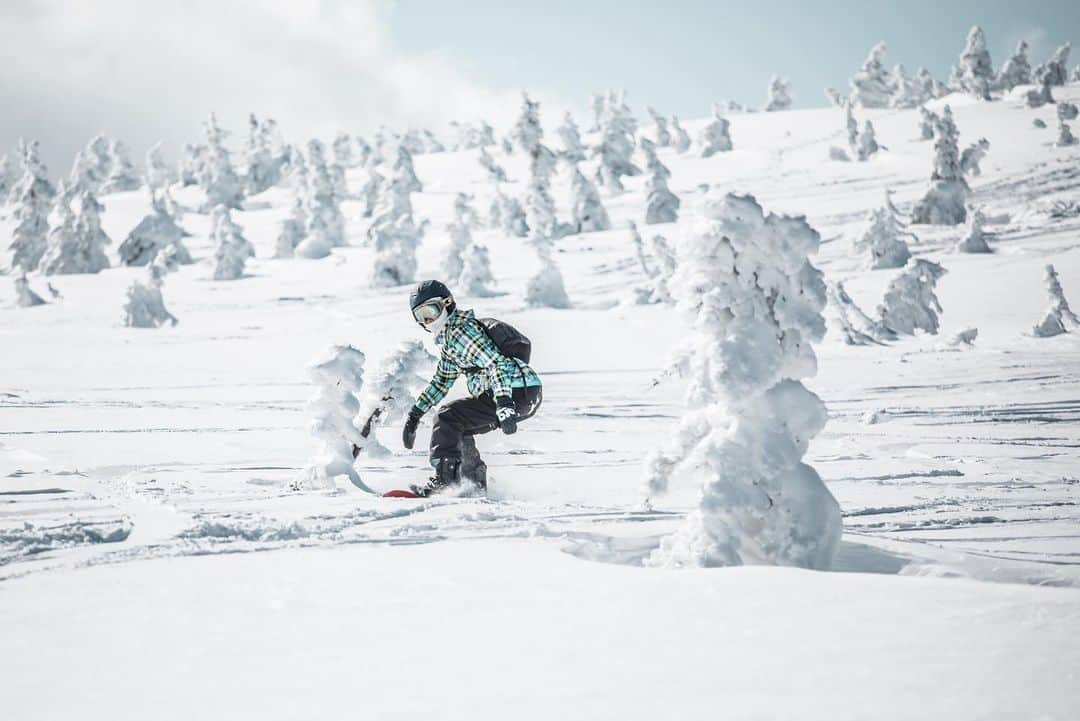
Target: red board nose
(400, 494)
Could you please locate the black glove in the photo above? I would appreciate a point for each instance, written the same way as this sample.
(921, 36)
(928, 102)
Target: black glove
(507, 414)
(409, 434)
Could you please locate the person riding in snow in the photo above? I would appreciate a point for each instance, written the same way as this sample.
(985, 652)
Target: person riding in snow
(504, 390)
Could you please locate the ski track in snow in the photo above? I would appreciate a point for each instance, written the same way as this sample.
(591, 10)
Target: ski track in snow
(969, 466)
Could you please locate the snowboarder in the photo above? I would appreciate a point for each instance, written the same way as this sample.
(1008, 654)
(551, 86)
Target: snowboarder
(504, 390)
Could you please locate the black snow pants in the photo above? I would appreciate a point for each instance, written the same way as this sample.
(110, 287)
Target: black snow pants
(458, 421)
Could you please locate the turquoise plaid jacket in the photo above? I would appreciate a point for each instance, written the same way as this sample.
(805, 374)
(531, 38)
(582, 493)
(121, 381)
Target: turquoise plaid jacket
(467, 348)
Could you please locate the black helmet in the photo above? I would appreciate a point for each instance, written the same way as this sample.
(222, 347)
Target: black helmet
(426, 290)
(436, 298)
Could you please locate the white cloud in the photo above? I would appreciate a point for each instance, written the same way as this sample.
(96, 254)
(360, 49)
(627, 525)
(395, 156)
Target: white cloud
(153, 70)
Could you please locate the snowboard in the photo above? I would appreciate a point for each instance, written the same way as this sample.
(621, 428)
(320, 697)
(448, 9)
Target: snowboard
(400, 493)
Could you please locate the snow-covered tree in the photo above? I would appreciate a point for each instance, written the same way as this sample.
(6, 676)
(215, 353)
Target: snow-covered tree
(33, 197)
(1055, 71)
(371, 191)
(1067, 111)
(24, 296)
(464, 212)
(344, 151)
(1065, 137)
(191, 165)
(231, 248)
(928, 120)
(495, 172)
(122, 173)
(1059, 316)
(660, 128)
(8, 177)
(1075, 77)
(597, 103)
(884, 240)
(589, 214)
(155, 232)
(910, 303)
(546, 289)
(159, 174)
(1039, 96)
(754, 303)
(871, 86)
(539, 204)
(325, 219)
(616, 147)
(659, 273)
(974, 73)
(145, 306)
(931, 86)
(390, 391)
(856, 328)
(661, 205)
(866, 144)
(430, 142)
(681, 139)
(975, 237)
(716, 136)
(507, 215)
(1016, 70)
(395, 234)
(218, 178)
(292, 230)
(338, 377)
(973, 155)
(907, 92)
(851, 126)
(572, 149)
(779, 97)
(317, 242)
(263, 166)
(78, 246)
(403, 168)
(453, 260)
(945, 200)
(527, 131)
(476, 278)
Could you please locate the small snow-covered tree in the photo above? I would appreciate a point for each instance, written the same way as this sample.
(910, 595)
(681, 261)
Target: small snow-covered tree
(973, 155)
(945, 200)
(639, 249)
(910, 303)
(931, 86)
(476, 278)
(661, 205)
(191, 164)
(507, 215)
(572, 149)
(78, 245)
(390, 391)
(884, 240)
(159, 174)
(871, 86)
(395, 234)
(292, 230)
(263, 166)
(403, 168)
(659, 273)
(338, 377)
(231, 248)
(155, 232)
(662, 136)
(589, 214)
(539, 204)
(927, 121)
(145, 306)
(24, 296)
(217, 176)
(495, 172)
(779, 97)
(907, 92)
(975, 237)
(681, 140)
(1040, 96)
(122, 173)
(371, 191)
(597, 103)
(1059, 316)
(453, 261)
(546, 289)
(716, 136)
(856, 328)
(866, 144)
(1065, 137)
(317, 242)
(1067, 111)
(974, 73)
(344, 151)
(33, 197)
(616, 147)
(8, 177)
(464, 212)
(851, 125)
(323, 198)
(1055, 71)
(1016, 70)
(754, 302)
(527, 131)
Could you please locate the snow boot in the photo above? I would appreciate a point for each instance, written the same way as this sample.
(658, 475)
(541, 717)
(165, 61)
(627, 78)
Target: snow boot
(447, 473)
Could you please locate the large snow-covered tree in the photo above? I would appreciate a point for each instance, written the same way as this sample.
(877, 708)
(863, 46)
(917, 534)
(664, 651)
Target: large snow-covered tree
(390, 390)
(616, 147)
(883, 242)
(157, 231)
(946, 199)
(871, 86)
(974, 73)
(1054, 71)
(77, 243)
(1016, 70)
(910, 303)
(754, 304)
(1059, 317)
(33, 198)
(779, 97)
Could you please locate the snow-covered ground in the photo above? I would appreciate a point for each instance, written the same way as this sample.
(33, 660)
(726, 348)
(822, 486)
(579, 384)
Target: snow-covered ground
(140, 471)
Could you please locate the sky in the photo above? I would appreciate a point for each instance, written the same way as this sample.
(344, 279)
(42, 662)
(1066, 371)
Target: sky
(149, 70)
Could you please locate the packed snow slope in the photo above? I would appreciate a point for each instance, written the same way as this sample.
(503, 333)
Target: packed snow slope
(140, 471)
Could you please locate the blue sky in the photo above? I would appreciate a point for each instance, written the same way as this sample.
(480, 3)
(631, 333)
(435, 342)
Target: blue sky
(680, 56)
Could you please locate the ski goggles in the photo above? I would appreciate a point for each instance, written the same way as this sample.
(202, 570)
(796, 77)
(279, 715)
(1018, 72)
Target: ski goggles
(429, 311)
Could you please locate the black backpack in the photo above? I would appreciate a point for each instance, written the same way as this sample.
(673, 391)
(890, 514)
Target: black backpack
(511, 342)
